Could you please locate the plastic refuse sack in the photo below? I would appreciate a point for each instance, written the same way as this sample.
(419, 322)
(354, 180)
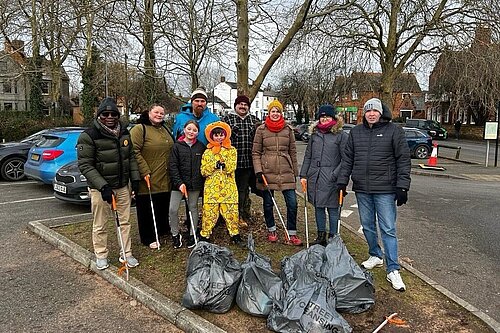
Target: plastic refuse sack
(293, 266)
(308, 306)
(212, 275)
(353, 285)
(259, 284)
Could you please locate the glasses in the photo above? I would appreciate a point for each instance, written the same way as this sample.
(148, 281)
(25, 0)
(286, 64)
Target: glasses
(110, 114)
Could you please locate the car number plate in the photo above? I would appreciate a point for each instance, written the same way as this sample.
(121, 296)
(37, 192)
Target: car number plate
(35, 157)
(60, 188)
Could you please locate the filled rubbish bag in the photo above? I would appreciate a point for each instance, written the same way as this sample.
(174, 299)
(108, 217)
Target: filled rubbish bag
(293, 266)
(353, 285)
(259, 284)
(308, 306)
(212, 275)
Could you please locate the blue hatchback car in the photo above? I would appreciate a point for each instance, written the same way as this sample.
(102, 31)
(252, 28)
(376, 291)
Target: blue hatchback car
(420, 143)
(54, 150)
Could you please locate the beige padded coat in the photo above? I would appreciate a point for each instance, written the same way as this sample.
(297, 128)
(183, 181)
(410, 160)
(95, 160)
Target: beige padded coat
(275, 155)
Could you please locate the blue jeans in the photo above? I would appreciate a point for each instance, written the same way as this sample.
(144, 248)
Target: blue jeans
(333, 217)
(383, 207)
(291, 210)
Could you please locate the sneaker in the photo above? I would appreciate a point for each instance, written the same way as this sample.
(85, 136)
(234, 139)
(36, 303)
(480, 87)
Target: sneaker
(372, 262)
(101, 263)
(153, 245)
(203, 239)
(236, 240)
(190, 242)
(272, 236)
(177, 241)
(395, 279)
(294, 240)
(131, 261)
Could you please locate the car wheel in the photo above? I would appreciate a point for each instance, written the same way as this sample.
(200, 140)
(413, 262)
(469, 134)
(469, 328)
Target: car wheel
(421, 151)
(13, 169)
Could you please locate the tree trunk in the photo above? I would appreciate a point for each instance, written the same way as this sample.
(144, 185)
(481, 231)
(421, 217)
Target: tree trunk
(243, 38)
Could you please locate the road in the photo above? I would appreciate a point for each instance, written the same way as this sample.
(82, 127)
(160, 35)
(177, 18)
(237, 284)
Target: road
(43, 290)
(472, 151)
(449, 230)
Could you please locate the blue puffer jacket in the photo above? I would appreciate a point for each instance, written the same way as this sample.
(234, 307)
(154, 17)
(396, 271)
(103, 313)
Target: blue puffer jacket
(377, 158)
(186, 114)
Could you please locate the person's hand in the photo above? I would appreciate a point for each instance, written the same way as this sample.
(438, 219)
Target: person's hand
(303, 182)
(258, 175)
(107, 193)
(135, 186)
(183, 190)
(343, 188)
(401, 196)
(222, 165)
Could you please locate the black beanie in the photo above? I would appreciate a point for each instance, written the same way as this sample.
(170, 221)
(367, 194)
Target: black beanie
(241, 98)
(326, 110)
(107, 104)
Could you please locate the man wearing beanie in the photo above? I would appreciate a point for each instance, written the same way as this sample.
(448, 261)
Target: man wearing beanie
(197, 110)
(106, 159)
(377, 158)
(243, 125)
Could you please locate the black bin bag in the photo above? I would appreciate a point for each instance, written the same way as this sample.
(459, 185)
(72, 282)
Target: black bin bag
(259, 284)
(308, 306)
(353, 285)
(213, 275)
(293, 266)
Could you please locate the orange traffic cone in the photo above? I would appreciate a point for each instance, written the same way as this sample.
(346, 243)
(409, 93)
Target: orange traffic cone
(433, 158)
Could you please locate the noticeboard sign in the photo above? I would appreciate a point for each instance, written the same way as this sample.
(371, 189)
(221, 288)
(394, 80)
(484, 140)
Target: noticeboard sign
(490, 130)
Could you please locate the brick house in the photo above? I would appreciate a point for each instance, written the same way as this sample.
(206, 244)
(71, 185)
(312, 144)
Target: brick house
(15, 82)
(355, 90)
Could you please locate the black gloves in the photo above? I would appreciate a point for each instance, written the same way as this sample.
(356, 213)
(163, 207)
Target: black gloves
(220, 165)
(401, 196)
(135, 186)
(107, 193)
(343, 188)
(258, 175)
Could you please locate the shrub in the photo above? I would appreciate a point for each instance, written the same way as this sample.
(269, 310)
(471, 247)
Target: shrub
(17, 125)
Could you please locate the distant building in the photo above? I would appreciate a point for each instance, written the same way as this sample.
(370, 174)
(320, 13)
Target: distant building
(15, 81)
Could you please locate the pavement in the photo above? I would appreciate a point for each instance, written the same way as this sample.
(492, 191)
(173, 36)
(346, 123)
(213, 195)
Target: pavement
(188, 321)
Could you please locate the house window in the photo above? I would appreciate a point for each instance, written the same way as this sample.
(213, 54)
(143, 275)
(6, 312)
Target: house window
(3, 66)
(257, 103)
(7, 88)
(354, 94)
(15, 87)
(405, 114)
(45, 87)
(7, 106)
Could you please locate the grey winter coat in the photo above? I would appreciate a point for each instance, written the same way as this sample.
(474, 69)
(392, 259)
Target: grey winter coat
(321, 164)
(377, 158)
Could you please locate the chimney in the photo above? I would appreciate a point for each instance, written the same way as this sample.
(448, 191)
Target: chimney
(222, 79)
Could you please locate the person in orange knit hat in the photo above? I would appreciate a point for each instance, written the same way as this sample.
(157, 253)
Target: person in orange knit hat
(220, 194)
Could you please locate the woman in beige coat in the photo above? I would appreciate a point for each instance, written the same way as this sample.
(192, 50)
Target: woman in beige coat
(275, 158)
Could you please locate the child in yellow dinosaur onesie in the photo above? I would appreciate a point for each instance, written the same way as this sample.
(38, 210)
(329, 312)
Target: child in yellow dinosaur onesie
(220, 194)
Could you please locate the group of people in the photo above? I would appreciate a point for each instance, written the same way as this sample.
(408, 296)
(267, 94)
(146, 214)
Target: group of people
(226, 159)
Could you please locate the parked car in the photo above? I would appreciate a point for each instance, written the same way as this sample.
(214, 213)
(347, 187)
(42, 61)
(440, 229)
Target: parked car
(347, 127)
(432, 127)
(55, 149)
(70, 185)
(420, 143)
(300, 132)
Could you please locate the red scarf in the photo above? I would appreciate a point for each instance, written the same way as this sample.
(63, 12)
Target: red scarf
(275, 126)
(326, 127)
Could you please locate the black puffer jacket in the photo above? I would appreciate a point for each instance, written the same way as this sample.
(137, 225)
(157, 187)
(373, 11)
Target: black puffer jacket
(377, 158)
(105, 159)
(185, 164)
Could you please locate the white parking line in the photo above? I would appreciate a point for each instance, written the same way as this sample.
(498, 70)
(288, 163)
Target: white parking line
(26, 200)
(19, 183)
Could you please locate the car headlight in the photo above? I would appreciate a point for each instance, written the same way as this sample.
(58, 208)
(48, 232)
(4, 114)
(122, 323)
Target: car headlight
(82, 178)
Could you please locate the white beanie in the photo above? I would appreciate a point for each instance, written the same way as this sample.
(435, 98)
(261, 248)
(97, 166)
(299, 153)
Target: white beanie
(373, 104)
(199, 93)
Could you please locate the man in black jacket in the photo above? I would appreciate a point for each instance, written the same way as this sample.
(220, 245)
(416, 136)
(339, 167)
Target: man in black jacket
(377, 158)
(106, 159)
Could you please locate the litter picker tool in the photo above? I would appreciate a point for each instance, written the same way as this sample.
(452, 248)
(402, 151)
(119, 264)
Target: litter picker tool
(147, 179)
(277, 209)
(186, 201)
(392, 319)
(304, 189)
(124, 266)
(341, 203)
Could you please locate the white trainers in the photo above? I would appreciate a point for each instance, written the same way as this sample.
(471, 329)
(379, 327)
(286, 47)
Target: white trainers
(101, 264)
(395, 279)
(372, 262)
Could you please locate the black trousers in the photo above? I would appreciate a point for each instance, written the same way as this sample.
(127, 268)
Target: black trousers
(161, 202)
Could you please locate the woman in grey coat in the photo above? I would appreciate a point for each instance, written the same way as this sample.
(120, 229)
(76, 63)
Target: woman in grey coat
(320, 169)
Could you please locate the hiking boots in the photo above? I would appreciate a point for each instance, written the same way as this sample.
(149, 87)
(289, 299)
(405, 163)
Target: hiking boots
(294, 240)
(131, 261)
(203, 239)
(101, 263)
(272, 236)
(372, 262)
(177, 241)
(236, 240)
(321, 239)
(191, 242)
(395, 279)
